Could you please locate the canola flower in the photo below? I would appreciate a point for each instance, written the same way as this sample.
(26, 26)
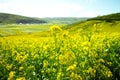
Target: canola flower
(11, 75)
(45, 63)
(61, 56)
(72, 67)
(9, 66)
(91, 71)
(21, 78)
(55, 28)
(20, 68)
(75, 76)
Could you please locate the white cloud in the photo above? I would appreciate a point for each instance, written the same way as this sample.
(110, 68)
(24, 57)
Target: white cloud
(91, 1)
(46, 9)
(56, 10)
(92, 13)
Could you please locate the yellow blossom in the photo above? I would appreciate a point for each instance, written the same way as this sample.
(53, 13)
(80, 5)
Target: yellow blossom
(9, 66)
(74, 76)
(11, 75)
(108, 73)
(101, 60)
(91, 71)
(55, 28)
(45, 63)
(20, 68)
(72, 67)
(21, 78)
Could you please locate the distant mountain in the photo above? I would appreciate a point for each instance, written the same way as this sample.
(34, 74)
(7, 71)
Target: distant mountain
(64, 20)
(6, 18)
(110, 22)
(108, 18)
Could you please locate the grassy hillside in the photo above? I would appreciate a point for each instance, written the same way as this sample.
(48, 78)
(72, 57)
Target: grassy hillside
(89, 25)
(18, 29)
(107, 23)
(6, 18)
(87, 50)
(64, 20)
(108, 18)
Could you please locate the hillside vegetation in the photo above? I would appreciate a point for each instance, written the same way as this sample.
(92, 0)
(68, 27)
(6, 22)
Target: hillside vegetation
(108, 18)
(6, 18)
(89, 25)
(88, 50)
(64, 20)
(107, 23)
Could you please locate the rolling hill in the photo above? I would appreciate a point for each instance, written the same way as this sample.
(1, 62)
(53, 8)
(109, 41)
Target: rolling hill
(6, 18)
(64, 20)
(108, 18)
(109, 22)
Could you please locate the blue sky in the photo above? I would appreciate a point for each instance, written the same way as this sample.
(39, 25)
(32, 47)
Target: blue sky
(60, 8)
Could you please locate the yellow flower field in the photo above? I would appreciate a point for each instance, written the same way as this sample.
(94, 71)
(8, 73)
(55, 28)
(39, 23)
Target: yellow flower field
(61, 56)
